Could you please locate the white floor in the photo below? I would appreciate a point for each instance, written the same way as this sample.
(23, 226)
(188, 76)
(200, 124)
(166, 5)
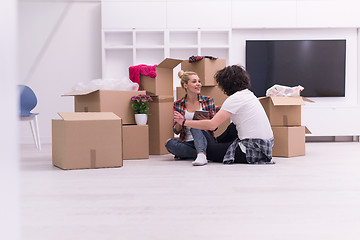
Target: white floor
(316, 196)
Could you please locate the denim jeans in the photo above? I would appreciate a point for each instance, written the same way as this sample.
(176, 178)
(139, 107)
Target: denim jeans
(189, 149)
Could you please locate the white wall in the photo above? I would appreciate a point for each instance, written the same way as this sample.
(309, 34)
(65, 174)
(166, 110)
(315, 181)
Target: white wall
(60, 46)
(9, 170)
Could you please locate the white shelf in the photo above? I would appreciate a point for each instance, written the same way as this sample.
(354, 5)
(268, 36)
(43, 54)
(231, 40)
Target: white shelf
(214, 38)
(118, 38)
(183, 47)
(183, 53)
(182, 38)
(149, 38)
(150, 47)
(216, 46)
(118, 47)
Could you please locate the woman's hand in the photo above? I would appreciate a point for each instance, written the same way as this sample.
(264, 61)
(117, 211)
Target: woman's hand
(178, 118)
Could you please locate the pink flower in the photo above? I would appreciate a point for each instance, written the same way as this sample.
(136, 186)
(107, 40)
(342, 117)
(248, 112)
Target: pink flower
(140, 103)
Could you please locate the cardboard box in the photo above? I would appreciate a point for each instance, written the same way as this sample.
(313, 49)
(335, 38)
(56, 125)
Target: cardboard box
(135, 141)
(205, 68)
(283, 111)
(87, 140)
(116, 101)
(162, 84)
(160, 123)
(289, 141)
(219, 98)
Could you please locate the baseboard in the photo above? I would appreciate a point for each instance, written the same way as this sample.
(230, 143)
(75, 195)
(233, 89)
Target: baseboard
(332, 138)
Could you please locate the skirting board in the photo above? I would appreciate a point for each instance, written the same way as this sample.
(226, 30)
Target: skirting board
(332, 139)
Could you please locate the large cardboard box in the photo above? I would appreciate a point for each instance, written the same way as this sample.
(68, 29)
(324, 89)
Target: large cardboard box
(162, 84)
(289, 141)
(219, 98)
(116, 101)
(87, 140)
(283, 111)
(205, 68)
(160, 123)
(135, 141)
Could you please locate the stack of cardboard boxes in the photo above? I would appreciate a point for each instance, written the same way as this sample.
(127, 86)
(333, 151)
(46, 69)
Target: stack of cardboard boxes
(206, 69)
(102, 130)
(93, 112)
(284, 114)
(160, 89)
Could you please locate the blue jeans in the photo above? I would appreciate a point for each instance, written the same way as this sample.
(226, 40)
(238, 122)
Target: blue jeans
(189, 149)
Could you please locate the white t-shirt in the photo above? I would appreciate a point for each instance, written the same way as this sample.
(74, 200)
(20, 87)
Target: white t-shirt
(248, 115)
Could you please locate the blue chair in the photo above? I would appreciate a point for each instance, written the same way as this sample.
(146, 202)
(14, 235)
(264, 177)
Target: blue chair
(28, 102)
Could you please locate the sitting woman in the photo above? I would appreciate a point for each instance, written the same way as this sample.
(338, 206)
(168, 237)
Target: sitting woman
(249, 138)
(192, 142)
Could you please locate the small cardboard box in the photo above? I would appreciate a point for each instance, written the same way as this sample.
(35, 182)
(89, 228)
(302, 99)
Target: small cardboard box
(289, 141)
(135, 141)
(87, 140)
(162, 84)
(219, 98)
(116, 101)
(205, 68)
(283, 111)
(160, 123)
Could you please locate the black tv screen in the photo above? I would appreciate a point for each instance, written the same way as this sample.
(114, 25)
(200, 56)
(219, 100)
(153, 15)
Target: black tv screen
(317, 65)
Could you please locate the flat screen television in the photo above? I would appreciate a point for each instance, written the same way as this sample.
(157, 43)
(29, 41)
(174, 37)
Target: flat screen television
(317, 65)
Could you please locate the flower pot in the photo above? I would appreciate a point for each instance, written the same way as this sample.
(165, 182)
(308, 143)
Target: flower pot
(141, 119)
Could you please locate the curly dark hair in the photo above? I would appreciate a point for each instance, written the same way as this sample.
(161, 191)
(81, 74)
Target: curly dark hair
(232, 79)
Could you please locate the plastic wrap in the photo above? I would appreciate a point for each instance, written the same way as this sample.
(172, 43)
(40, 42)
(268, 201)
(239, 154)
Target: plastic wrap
(124, 84)
(279, 90)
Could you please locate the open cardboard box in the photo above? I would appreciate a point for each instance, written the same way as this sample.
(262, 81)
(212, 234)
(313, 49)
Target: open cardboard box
(289, 141)
(116, 101)
(205, 69)
(283, 111)
(162, 84)
(87, 140)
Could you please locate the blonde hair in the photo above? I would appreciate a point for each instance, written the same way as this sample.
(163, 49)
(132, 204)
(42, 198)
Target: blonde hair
(184, 77)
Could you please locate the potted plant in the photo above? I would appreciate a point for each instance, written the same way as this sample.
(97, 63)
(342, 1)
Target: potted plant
(140, 104)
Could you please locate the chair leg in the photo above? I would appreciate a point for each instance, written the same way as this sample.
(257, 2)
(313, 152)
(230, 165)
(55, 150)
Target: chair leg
(32, 123)
(35, 132)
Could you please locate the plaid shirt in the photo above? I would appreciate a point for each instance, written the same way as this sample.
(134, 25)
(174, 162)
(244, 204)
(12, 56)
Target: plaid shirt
(258, 151)
(207, 103)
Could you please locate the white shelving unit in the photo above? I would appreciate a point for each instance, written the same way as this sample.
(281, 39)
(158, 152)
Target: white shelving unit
(124, 48)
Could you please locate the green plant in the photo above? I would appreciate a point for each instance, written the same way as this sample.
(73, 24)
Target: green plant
(140, 103)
